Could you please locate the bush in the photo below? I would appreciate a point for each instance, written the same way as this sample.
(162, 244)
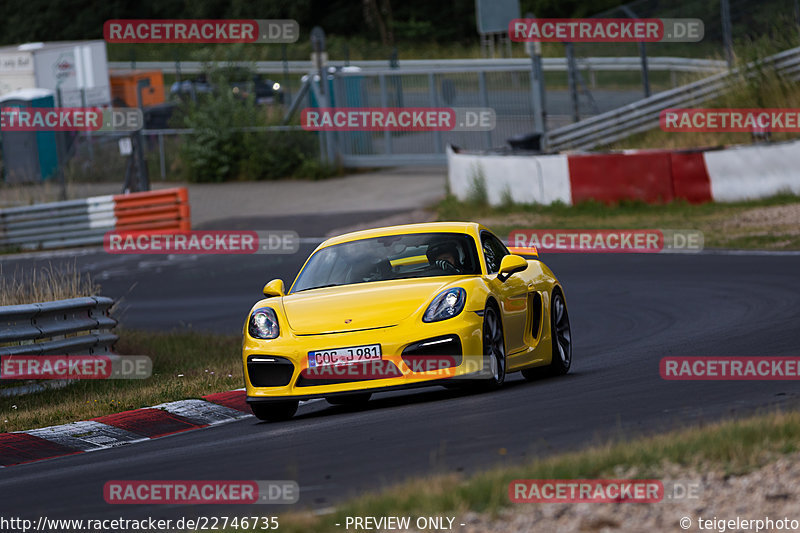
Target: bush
(221, 148)
(273, 155)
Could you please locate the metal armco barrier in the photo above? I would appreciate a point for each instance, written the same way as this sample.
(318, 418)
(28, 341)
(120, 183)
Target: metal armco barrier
(643, 115)
(549, 64)
(77, 326)
(84, 222)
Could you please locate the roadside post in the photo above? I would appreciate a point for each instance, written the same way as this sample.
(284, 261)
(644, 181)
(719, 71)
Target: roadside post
(534, 50)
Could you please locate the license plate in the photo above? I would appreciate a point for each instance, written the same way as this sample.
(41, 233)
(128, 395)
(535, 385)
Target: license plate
(344, 356)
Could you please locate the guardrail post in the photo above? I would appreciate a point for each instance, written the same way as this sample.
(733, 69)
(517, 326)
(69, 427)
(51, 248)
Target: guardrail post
(89, 143)
(143, 174)
(645, 73)
(642, 55)
(61, 153)
(571, 80)
(287, 90)
(387, 135)
(537, 89)
(344, 140)
(437, 135)
(162, 163)
(326, 147)
(484, 103)
(797, 12)
(727, 37)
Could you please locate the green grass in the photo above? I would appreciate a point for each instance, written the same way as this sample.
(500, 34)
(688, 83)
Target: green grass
(186, 364)
(721, 223)
(733, 447)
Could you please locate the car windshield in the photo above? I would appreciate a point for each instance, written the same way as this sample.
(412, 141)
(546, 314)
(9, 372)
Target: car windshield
(415, 255)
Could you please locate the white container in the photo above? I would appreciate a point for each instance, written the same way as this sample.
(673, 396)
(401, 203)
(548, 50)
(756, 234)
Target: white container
(78, 70)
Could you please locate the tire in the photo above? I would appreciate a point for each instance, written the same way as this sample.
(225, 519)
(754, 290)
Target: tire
(561, 338)
(357, 398)
(275, 412)
(494, 347)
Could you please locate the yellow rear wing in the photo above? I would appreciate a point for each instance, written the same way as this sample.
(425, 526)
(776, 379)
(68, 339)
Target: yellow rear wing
(524, 250)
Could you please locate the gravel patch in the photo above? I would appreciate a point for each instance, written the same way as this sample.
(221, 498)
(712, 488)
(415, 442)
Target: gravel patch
(772, 491)
(773, 216)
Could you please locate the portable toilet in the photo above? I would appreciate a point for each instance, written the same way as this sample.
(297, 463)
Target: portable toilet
(28, 156)
(345, 91)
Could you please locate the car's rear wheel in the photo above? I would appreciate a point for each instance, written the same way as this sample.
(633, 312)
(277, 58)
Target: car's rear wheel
(494, 348)
(349, 399)
(561, 336)
(275, 412)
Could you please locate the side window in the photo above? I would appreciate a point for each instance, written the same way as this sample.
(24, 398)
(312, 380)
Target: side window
(493, 252)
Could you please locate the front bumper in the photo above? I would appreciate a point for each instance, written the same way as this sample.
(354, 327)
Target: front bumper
(290, 348)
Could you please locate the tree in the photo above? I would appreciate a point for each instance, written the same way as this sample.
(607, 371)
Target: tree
(380, 17)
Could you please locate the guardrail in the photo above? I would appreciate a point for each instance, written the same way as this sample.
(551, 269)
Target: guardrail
(85, 222)
(555, 64)
(643, 115)
(77, 326)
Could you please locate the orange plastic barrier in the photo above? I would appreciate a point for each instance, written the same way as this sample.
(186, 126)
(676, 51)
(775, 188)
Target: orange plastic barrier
(166, 209)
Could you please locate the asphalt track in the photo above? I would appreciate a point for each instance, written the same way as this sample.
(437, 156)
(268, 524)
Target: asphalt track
(627, 312)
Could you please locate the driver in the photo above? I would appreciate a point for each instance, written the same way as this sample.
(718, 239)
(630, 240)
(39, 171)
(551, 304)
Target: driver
(444, 255)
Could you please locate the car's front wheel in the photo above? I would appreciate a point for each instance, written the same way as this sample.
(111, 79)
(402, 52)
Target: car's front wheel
(494, 348)
(275, 411)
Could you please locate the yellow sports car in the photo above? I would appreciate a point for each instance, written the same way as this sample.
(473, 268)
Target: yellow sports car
(441, 303)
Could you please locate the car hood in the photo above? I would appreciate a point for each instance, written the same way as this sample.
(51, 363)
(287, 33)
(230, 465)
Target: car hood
(360, 306)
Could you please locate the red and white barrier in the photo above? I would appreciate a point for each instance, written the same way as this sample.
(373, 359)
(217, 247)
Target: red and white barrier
(758, 171)
(85, 221)
(540, 179)
(652, 176)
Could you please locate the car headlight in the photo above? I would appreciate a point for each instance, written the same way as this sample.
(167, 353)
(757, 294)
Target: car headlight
(263, 324)
(276, 86)
(447, 304)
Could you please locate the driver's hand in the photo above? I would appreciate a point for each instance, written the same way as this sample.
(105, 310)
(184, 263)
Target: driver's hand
(447, 266)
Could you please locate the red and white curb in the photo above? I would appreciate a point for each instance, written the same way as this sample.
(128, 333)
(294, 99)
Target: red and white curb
(121, 429)
(654, 176)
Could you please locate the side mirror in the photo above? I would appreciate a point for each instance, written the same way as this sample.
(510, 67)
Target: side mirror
(511, 264)
(274, 288)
